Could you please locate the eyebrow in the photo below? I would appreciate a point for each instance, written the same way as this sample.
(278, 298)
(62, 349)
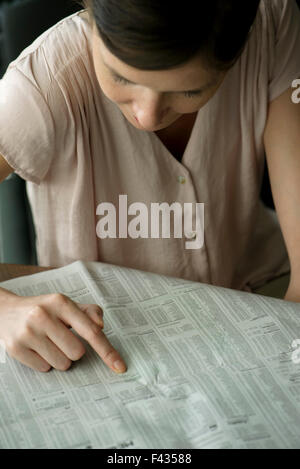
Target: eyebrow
(199, 90)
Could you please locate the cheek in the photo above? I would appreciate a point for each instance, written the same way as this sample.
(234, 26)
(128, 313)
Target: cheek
(188, 105)
(114, 92)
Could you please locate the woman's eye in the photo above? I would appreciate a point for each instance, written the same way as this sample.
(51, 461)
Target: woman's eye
(122, 80)
(192, 94)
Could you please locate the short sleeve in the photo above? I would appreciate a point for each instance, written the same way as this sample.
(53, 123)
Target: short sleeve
(286, 64)
(26, 125)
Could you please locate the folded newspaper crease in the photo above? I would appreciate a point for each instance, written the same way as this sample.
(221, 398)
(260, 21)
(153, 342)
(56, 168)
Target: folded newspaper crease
(208, 367)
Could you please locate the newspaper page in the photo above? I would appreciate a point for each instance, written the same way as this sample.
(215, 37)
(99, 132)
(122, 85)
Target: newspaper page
(208, 367)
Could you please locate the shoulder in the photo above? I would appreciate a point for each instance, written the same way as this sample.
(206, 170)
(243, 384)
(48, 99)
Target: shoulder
(273, 13)
(54, 51)
(276, 26)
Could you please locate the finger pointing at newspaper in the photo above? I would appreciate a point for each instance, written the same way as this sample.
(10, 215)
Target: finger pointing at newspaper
(36, 331)
(92, 333)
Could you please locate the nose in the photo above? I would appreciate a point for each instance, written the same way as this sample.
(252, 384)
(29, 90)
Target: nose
(150, 110)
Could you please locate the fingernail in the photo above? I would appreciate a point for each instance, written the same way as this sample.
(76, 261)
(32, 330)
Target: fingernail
(119, 366)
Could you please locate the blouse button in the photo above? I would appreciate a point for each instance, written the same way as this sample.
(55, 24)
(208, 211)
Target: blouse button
(181, 179)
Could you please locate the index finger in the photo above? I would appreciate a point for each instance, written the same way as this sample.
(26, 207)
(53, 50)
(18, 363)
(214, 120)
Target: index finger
(106, 351)
(71, 314)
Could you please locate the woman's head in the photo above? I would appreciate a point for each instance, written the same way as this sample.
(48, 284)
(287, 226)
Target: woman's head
(162, 34)
(167, 50)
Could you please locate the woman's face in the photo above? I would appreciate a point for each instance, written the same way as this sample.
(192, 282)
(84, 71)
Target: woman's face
(153, 100)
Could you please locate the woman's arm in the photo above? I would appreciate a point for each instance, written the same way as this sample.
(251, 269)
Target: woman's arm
(282, 144)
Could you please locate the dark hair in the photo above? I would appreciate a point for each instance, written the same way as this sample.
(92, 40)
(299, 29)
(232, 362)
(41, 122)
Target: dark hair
(164, 34)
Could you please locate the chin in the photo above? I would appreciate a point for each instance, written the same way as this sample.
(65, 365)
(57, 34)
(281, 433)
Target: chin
(137, 125)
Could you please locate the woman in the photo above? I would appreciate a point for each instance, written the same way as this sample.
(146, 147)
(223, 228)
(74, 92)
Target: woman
(162, 104)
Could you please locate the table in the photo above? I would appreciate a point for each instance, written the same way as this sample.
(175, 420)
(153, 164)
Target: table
(8, 271)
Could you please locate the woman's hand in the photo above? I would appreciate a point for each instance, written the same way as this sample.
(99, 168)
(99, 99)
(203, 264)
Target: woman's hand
(36, 331)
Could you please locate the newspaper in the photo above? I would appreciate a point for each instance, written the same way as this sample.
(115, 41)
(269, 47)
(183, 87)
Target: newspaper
(208, 367)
